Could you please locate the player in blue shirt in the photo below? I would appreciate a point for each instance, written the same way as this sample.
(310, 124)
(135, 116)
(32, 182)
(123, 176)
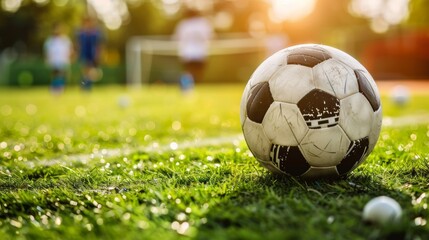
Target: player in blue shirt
(89, 39)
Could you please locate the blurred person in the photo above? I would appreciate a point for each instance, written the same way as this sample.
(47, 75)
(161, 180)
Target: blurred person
(193, 34)
(89, 38)
(58, 52)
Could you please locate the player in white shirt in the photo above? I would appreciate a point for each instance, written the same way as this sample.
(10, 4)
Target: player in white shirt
(193, 34)
(58, 51)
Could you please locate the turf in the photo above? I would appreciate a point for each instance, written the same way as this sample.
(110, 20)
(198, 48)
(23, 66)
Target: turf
(193, 188)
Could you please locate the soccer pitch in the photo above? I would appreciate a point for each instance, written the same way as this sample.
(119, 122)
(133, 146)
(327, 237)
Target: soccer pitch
(156, 163)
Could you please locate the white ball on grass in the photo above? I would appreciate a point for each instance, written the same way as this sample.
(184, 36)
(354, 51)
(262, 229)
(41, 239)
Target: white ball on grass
(382, 210)
(124, 101)
(400, 95)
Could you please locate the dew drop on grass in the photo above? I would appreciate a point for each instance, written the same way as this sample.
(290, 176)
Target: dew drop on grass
(7, 155)
(147, 138)
(126, 216)
(60, 146)
(80, 111)
(176, 125)
(132, 131)
(175, 225)
(47, 138)
(44, 219)
(419, 221)
(330, 219)
(15, 223)
(17, 148)
(89, 226)
(42, 129)
(181, 217)
(31, 109)
(142, 224)
(183, 228)
(180, 228)
(173, 146)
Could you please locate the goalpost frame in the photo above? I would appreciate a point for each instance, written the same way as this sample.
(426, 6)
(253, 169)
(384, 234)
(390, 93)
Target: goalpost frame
(141, 49)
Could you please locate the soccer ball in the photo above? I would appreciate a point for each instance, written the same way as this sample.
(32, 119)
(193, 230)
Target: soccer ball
(311, 111)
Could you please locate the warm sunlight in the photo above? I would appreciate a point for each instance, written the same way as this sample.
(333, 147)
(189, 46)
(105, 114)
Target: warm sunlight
(382, 13)
(290, 10)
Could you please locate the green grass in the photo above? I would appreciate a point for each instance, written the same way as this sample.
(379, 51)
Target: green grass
(213, 191)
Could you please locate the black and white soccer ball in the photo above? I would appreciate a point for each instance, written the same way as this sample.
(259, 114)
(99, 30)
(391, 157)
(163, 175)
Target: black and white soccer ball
(311, 111)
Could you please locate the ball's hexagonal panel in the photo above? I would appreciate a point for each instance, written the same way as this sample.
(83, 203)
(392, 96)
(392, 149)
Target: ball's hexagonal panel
(291, 83)
(255, 136)
(356, 116)
(325, 147)
(343, 57)
(319, 109)
(320, 172)
(308, 55)
(375, 130)
(288, 159)
(355, 155)
(259, 101)
(336, 78)
(283, 124)
(268, 68)
(366, 88)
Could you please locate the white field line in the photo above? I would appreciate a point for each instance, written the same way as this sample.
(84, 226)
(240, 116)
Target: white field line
(110, 153)
(406, 120)
(233, 140)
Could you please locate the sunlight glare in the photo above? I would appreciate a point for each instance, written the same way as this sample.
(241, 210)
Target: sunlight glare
(292, 10)
(11, 5)
(113, 13)
(382, 13)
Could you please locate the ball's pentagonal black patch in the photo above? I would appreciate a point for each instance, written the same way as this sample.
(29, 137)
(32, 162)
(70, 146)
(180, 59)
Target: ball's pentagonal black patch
(366, 89)
(320, 109)
(308, 56)
(259, 101)
(357, 149)
(289, 159)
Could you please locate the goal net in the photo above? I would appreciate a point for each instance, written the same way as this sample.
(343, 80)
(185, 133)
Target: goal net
(231, 58)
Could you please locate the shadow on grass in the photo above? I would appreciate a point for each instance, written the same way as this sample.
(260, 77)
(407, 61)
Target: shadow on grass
(279, 207)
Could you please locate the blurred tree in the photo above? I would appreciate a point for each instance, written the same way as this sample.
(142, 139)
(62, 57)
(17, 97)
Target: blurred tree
(329, 23)
(418, 17)
(32, 23)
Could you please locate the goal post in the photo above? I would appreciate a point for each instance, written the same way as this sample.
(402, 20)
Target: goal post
(143, 54)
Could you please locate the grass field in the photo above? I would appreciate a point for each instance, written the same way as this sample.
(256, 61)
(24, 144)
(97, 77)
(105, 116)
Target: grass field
(168, 166)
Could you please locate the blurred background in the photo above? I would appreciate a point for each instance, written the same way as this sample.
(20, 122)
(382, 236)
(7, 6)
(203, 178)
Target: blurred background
(390, 37)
